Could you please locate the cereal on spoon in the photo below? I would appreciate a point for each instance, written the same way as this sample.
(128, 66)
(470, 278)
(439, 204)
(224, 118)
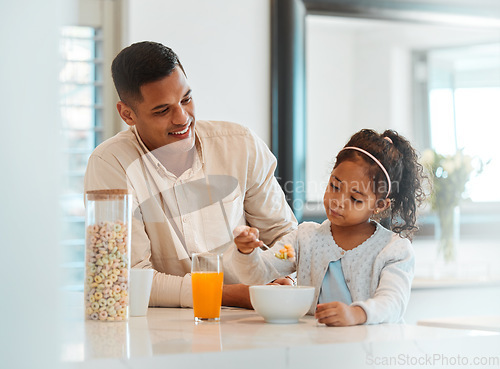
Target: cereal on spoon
(286, 253)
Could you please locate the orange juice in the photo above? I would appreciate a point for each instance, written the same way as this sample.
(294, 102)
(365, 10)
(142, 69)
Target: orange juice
(207, 294)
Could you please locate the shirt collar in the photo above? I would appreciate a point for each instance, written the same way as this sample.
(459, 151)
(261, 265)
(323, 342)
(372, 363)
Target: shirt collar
(199, 159)
(145, 150)
(199, 145)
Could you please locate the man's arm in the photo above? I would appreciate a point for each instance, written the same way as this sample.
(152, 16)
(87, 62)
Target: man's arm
(236, 295)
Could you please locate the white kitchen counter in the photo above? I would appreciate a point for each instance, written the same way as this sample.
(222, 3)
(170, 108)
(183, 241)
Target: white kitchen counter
(486, 323)
(168, 338)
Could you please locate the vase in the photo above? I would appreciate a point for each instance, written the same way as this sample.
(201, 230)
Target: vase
(447, 234)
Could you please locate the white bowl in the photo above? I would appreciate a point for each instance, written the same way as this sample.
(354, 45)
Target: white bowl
(281, 304)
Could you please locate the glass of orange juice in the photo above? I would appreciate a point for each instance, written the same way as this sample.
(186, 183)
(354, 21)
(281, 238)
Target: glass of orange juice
(206, 279)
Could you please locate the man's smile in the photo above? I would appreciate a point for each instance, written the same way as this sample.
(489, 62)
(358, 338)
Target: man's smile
(181, 132)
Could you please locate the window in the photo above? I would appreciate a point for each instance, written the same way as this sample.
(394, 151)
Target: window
(438, 85)
(82, 130)
(464, 91)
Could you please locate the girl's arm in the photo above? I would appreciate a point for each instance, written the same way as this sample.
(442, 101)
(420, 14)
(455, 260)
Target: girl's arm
(388, 304)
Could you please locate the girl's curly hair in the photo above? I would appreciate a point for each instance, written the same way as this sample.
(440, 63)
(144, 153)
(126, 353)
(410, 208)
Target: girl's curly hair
(400, 160)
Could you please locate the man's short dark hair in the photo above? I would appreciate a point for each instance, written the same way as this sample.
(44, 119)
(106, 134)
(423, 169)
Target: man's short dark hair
(141, 63)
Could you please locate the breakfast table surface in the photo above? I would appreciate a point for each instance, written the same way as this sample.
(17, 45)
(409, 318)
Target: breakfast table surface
(486, 323)
(169, 337)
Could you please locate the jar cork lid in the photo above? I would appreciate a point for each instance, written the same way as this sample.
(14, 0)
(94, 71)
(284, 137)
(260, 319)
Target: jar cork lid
(114, 194)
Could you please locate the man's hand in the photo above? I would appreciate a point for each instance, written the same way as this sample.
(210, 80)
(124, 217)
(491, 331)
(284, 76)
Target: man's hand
(338, 314)
(247, 239)
(236, 295)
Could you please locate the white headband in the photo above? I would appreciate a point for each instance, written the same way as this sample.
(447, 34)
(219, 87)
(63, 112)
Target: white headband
(376, 161)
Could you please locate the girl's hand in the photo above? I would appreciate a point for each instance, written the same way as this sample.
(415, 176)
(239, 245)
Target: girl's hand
(286, 281)
(338, 314)
(246, 239)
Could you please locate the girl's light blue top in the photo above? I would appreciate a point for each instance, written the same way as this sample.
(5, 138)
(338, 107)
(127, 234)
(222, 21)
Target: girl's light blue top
(334, 287)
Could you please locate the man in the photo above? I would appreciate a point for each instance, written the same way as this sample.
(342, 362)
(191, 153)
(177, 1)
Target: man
(192, 181)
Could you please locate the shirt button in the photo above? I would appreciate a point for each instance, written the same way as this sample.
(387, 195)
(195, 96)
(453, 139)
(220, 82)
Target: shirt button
(184, 219)
(342, 252)
(347, 280)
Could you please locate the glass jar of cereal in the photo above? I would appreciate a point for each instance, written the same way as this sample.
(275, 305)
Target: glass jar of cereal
(107, 254)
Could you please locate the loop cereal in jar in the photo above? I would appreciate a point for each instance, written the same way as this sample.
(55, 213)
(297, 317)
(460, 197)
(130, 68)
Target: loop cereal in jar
(107, 254)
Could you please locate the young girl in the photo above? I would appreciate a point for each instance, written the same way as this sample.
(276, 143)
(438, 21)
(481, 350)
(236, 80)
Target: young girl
(362, 271)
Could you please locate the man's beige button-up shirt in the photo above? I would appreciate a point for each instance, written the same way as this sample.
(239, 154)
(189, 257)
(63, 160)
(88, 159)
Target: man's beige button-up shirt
(230, 183)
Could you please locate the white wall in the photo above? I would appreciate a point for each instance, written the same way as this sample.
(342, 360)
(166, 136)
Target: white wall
(224, 46)
(329, 72)
(29, 184)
